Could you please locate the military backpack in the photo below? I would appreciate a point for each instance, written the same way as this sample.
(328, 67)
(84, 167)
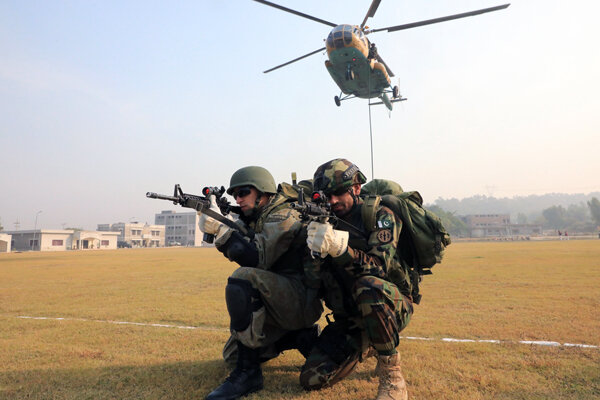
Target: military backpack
(423, 238)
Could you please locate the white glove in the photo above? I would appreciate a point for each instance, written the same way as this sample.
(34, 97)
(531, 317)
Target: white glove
(325, 240)
(208, 224)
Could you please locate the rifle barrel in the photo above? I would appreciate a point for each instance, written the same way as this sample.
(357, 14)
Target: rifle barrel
(152, 195)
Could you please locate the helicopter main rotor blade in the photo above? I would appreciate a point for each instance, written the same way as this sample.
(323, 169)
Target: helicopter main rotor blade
(442, 19)
(371, 12)
(294, 60)
(282, 8)
(389, 71)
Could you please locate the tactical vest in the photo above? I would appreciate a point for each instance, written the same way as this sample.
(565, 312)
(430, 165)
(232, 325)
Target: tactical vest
(290, 262)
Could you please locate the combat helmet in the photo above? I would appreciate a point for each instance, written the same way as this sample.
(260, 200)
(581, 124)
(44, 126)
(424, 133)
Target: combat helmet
(257, 177)
(337, 175)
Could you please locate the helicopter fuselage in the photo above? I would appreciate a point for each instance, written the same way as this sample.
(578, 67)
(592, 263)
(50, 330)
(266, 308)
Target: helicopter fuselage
(353, 69)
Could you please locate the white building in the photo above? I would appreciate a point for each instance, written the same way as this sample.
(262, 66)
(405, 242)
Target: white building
(135, 234)
(60, 240)
(5, 243)
(498, 225)
(180, 228)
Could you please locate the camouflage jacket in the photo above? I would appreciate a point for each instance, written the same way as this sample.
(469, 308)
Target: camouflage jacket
(373, 254)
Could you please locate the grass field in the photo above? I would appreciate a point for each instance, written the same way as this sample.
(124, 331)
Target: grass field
(510, 291)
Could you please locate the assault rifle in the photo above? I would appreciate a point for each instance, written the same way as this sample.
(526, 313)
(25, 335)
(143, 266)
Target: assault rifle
(202, 204)
(319, 209)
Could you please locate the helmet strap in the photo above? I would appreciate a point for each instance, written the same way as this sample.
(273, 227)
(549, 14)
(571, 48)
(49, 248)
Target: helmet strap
(259, 196)
(254, 212)
(354, 197)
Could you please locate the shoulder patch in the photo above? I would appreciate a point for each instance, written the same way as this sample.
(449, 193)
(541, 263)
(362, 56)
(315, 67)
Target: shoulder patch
(384, 235)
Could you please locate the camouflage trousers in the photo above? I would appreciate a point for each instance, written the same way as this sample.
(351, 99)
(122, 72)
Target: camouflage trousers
(382, 313)
(286, 305)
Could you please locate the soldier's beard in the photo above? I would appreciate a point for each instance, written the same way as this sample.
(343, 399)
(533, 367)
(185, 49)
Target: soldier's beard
(249, 212)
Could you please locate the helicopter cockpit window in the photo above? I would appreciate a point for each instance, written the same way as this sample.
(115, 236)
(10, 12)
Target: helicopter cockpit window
(338, 38)
(347, 37)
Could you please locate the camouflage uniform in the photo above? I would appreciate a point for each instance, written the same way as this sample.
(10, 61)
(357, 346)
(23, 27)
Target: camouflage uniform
(269, 306)
(369, 310)
(287, 303)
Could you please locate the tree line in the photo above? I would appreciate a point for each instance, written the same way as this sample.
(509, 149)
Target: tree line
(574, 213)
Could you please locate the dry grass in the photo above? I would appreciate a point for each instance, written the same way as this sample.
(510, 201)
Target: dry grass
(506, 291)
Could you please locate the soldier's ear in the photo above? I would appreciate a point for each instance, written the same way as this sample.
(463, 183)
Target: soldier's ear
(356, 189)
(265, 198)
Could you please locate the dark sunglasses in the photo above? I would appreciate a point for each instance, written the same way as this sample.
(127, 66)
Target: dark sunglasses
(242, 192)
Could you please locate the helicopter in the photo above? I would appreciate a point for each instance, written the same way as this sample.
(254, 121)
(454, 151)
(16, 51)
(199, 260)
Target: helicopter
(354, 62)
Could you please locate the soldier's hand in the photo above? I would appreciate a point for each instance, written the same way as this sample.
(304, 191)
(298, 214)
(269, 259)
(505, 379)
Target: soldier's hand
(207, 224)
(325, 240)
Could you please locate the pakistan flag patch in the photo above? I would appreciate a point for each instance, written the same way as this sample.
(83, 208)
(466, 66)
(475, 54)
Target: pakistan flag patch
(384, 224)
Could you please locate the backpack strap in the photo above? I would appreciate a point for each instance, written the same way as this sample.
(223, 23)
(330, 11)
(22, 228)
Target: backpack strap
(369, 211)
(278, 202)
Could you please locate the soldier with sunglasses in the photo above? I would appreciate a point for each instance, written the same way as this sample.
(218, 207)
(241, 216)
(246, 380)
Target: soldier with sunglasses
(357, 271)
(270, 306)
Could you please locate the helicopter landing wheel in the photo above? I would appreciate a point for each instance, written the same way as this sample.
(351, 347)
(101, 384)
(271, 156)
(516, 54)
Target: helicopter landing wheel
(337, 100)
(395, 92)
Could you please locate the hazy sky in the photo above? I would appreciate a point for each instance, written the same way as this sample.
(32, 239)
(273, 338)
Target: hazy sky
(102, 101)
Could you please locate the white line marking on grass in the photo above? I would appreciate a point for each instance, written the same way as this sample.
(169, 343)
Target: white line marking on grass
(204, 328)
(217, 329)
(496, 341)
(540, 342)
(447, 339)
(415, 338)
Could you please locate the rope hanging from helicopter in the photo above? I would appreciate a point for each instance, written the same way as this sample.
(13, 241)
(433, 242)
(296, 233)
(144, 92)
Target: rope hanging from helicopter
(370, 127)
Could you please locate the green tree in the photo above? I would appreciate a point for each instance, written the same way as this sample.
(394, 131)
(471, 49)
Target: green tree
(1, 227)
(454, 225)
(555, 217)
(521, 218)
(594, 206)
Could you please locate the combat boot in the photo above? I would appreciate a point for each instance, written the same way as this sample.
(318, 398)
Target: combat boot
(246, 378)
(302, 339)
(392, 385)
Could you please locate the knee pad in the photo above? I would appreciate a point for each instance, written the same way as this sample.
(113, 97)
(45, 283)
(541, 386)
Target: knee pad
(242, 300)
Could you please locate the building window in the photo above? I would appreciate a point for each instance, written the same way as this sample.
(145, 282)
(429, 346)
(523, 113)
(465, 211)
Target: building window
(104, 243)
(56, 242)
(33, 242)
